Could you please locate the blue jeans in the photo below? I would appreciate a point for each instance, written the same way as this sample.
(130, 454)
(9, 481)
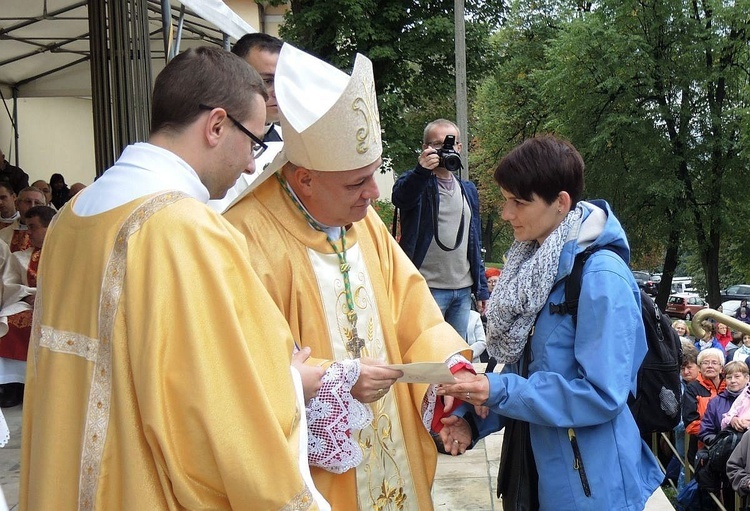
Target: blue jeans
(455, 305)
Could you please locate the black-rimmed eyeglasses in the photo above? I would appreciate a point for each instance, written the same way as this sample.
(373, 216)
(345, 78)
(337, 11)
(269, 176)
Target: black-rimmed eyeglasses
(259, 147)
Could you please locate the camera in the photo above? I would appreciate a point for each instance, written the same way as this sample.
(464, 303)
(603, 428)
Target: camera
(449, 158)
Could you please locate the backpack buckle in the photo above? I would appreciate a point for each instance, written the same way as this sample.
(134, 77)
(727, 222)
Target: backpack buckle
(558, 308)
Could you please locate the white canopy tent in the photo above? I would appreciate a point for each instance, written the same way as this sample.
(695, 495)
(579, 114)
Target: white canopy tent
(45, 49)
(46, 73)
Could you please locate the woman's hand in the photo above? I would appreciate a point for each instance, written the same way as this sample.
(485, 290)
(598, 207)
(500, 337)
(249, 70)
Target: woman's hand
(474, 389)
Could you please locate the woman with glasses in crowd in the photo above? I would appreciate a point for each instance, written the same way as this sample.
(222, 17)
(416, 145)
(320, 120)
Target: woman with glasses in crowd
(699, 392)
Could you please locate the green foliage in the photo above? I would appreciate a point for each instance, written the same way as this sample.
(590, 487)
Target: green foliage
(655, 96)
(411, 45)
(385, 211)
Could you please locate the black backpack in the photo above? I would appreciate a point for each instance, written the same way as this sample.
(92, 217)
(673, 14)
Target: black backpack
(711, 462)
(656, 404)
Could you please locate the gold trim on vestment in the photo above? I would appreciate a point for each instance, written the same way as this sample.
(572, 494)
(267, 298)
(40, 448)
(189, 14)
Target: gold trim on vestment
(68, 342)
(303, 500)
(384, 479)
(97, 414)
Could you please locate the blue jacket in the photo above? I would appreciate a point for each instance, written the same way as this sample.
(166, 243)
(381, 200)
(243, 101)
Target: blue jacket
(580, 378)
(411, 194)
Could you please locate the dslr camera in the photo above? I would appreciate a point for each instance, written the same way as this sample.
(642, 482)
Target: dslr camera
(449, 158)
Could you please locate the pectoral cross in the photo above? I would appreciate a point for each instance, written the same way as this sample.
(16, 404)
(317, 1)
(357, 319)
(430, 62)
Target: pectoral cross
(355, 344)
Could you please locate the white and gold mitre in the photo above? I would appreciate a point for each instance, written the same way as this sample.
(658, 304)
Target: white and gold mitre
(330, 120)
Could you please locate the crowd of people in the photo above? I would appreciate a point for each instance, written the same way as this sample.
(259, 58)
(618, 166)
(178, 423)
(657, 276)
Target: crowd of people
(24, 218)
(246, 351)
(715, 415)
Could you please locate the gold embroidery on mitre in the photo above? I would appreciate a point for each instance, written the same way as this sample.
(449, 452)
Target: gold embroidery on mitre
(366, 105)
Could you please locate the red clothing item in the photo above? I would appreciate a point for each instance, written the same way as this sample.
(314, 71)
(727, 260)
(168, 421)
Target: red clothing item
(695, 400)
(724, 339)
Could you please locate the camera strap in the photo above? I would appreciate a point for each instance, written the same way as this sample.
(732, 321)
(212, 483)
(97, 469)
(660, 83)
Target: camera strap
(435, 213)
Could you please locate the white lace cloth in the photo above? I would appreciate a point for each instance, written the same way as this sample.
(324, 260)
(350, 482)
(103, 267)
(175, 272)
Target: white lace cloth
(4, 431)
(333, 416)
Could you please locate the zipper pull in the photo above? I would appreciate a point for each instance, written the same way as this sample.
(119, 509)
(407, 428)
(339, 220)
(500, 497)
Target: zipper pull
(578, 462)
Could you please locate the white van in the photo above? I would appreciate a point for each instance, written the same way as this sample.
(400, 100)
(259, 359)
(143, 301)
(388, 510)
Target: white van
(682, 285)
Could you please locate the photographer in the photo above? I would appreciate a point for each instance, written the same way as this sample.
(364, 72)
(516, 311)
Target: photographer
(440, 226)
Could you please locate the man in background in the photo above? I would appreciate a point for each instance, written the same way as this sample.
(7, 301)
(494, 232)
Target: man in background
(8, 212)
(17, 178)
(16, 235)
(440, 225)
(262, 52)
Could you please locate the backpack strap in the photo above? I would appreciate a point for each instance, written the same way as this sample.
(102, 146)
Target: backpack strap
(573, 286)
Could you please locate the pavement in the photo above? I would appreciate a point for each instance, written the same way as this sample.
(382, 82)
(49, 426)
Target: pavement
(462, 483)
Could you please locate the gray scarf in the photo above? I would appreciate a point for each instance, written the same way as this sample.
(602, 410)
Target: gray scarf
(523, 289)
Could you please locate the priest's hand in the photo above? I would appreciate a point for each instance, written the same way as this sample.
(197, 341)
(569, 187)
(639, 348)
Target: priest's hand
(374, 380)
(456, 435)
(474, 390)
(311, 375)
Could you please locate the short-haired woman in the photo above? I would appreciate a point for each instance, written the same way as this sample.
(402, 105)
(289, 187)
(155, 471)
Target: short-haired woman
(573, 396)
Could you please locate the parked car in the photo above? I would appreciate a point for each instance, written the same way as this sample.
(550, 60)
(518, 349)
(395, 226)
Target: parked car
(736, 292)
(645, 282)
(730, 307)
(684, 305)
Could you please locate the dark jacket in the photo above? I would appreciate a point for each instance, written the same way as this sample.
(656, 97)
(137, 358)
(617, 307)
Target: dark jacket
(411, 194)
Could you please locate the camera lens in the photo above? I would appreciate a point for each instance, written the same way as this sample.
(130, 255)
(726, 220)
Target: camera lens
(450, 161)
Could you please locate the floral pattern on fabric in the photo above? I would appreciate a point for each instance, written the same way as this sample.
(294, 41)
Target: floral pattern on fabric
(332, 416)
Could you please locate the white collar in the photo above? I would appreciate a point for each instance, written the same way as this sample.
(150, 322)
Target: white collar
(142, 169)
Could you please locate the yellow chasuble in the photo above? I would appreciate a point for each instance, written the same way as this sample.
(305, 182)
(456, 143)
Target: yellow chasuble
(158, 373)
(397, 318)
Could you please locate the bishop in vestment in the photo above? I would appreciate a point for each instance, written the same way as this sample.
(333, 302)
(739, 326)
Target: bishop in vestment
(347, 289)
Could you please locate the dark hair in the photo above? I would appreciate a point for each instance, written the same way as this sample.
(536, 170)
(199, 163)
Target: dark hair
(261, 42)
(54, 178)
(689, 354)
(204, 75)
(43, 213)
(9, 189)
(544, 165)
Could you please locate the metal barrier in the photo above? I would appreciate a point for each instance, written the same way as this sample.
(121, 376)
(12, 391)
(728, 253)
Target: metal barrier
(739, 501)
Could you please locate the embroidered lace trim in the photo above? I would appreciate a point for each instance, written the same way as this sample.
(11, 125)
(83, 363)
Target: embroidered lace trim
(69, 342)
(4, 431)
(302, 501)
(332, 416)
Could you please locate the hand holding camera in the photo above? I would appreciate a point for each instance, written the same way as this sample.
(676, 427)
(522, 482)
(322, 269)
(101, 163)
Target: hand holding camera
(445, 157)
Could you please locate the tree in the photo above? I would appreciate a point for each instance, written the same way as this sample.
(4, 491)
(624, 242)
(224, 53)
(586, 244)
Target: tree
(411, 45)
(653, 94)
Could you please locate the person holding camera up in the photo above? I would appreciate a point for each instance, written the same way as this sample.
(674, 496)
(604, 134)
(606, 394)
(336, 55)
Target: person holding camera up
(440, 226)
